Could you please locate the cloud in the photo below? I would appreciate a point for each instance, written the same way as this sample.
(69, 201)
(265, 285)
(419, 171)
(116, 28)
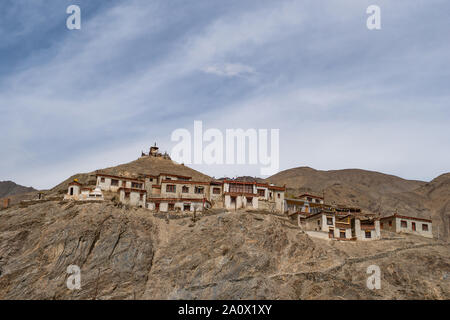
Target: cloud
(137, 70)
(229, 70)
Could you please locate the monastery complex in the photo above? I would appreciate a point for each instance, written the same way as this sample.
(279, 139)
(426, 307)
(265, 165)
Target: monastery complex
(172, 193)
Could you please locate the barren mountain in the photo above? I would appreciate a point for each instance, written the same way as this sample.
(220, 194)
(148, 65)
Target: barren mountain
(134, 254)
(316, 180)
(131, 253)
(438, 193)
(375, 192)
(9, 188)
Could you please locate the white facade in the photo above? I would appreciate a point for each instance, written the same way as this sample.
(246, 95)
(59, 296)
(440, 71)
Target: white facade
(113, 183)
(252, 195)
(367, 233)
(133, 197)
(413, 226)
(178, 205)
(76, 192)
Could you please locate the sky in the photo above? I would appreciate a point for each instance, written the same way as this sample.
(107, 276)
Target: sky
(342, 96)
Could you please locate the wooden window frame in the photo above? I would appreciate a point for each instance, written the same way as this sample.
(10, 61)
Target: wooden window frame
(171, 188)
(197, 189)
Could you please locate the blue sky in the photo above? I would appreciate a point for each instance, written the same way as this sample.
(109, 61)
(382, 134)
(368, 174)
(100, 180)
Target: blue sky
(342, 96)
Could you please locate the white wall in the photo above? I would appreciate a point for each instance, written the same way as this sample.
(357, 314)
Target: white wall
(409, 229)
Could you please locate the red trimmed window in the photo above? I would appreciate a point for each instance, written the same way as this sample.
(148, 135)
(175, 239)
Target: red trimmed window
(136, 185)
(199, 190)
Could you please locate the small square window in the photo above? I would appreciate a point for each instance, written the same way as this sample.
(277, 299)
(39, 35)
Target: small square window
(368, 234)
(404, 224)
(198, 190)
(136, 185)
(424, 227)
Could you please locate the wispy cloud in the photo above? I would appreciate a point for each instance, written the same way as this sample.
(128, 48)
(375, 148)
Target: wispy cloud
(229, 69)
(138, 70)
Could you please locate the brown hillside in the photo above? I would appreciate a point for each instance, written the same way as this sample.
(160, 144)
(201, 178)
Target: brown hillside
(133, 254)
(9, 188)
(438, 193)
(316, 180)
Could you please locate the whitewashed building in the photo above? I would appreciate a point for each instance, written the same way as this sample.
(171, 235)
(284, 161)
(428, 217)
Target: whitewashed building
(406, 224)
(76, 191)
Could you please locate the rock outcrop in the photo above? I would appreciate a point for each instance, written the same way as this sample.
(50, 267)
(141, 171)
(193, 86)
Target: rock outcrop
(127, 253)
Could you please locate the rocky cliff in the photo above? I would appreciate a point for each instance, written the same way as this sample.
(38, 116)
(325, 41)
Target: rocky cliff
(128, 253)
